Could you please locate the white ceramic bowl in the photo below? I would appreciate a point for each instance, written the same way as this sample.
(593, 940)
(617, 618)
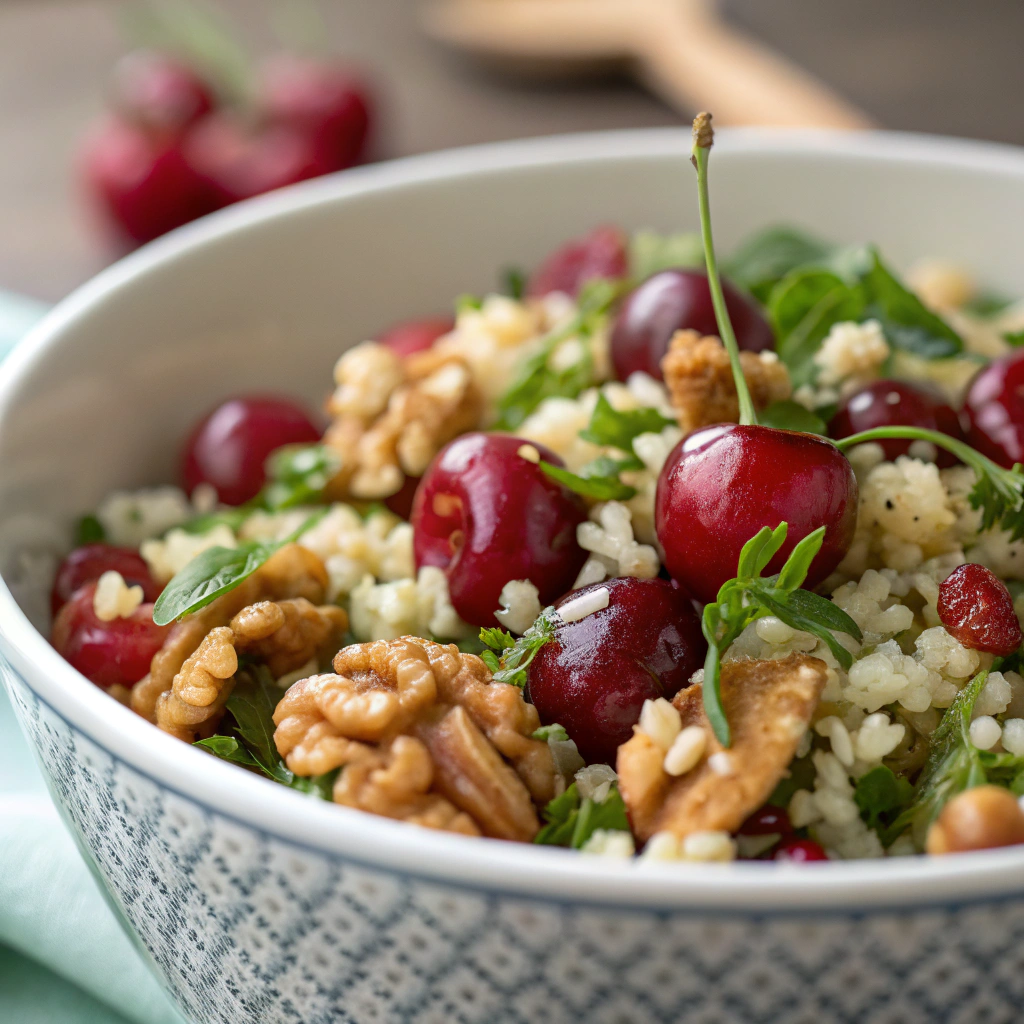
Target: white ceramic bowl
(259, 904)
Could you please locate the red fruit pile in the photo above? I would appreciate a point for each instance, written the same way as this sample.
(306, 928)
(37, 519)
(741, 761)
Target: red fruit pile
(169, 151)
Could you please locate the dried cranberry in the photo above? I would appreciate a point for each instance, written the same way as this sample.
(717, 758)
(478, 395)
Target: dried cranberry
(90, 562)
(602, 253)
(800, 851)
(977, 609)
(767, 821)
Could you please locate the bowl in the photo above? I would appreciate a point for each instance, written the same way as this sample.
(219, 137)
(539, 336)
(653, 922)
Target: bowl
(256, 903)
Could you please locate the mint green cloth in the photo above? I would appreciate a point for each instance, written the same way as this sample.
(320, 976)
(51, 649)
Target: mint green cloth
(64, 958)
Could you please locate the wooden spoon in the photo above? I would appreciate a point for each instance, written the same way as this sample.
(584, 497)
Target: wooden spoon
(680, 48)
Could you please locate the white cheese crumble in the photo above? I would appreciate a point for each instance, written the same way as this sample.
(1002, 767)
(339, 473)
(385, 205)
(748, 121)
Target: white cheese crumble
(113, 598)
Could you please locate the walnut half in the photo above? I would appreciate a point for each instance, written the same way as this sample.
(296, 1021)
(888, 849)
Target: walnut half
(424, 735)
(769, 705)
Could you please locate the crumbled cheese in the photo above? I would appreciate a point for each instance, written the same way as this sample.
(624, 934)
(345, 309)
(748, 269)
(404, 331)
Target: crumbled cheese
(609, 536)
(113, 598)
(709, 846)
(851, 351)
(520, 606)
(610, 843)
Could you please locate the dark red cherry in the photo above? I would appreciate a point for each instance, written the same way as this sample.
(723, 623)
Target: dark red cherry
(976, 608)
(595, 675)
(401, 501)
(159, 92)
(412, 336)
(766, 821)
(601, 254)
(676, 300)
(800, 851)
(487, 515)
(106, 653)
(91, 561)
(994, 407)
(890, 403)
(722, 484)
(229, 447)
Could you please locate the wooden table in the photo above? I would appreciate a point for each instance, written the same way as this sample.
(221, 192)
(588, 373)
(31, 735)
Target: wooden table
(940, 66)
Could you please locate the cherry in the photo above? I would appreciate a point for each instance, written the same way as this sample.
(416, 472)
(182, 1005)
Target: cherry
(889, 403)
(158, 92)
(977, 610)
(107, 653)
(767, 821)
(229, 446)
(402, 500)
(601, 254)
(800, 851)
(674, 300)
(412, 336)
(994, 406)
(596, 673)
(723, 483)
(324, 102)
(487, 514)
(141, 182)
(91, 561)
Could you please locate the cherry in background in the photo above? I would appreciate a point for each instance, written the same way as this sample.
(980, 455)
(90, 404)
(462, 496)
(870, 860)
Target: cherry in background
(722, 484)
(994, 409)
(596, 673)
(889, 403)
(601, 254)
(159, 93)
(676, 300)
(89, 562)
(487, 515)
(229, 447)
(412, 336)
(107, 653)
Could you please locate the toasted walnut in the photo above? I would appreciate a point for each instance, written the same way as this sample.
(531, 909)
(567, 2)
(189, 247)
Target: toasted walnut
(699, 379)
(442, 706)
(769, 705)
(432, 401)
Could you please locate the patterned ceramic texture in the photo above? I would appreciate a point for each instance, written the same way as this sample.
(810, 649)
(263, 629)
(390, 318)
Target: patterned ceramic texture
(247, 927)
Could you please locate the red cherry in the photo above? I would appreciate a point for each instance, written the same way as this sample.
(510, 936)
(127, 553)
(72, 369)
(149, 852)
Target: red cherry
(800, 851)
(994, 406)
(106, 653)
(228, 448)
(141, 183)
(91, 561)
(722, 484)
(412, 336)
(487, 515)
(595, 675)
(602, 253)
(157, 92)
(402, 500)
(888, 403)
(674, 300)
(977, 609)
(324, 102)
(767, 821)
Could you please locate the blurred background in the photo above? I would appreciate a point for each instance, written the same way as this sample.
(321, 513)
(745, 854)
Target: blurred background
(71, 129)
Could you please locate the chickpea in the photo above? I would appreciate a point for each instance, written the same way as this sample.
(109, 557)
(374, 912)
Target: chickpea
(978, 819)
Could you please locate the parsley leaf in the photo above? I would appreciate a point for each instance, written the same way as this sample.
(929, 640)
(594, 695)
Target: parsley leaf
(790, 415)
(297, 475)
(89, 531)
(513, 657)
(749, 596)
(598, 479)
(620, 428)
(767, 257)
(650, 253)
(878, 793)
(1014, 338)
(514, 280)
(571, 821)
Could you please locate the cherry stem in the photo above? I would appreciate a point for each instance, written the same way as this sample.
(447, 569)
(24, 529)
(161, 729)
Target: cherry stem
(703, 137)
(964, 452)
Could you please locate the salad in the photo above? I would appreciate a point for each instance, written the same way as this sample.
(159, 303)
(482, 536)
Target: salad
(640, 556)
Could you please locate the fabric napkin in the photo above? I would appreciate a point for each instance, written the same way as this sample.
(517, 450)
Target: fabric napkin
(63, 956)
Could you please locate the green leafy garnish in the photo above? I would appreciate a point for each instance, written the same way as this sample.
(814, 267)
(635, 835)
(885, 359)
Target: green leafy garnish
(986, 305)
(509, 658)
(297, 475)
(879, 793)
(466, 302)
(790, 415)
(89, 531)
(216, 571)
(572, 821)
(598, 480)
(514, 280)
(650, 252)
(620, 428)
(1014, 338)
(230, 517)
(750, 596)
(767, 257)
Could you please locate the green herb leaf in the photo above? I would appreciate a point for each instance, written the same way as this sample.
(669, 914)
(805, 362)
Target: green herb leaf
(514, 279)
(466, 302)
(764, 259)
(252, 704)
(795, 570)
(321, 786)
(229, 517)
(1014, 338)
(878, 793)
(89, 531)
(650, 253)
(216, 571)
(227, 748)
(549, 733)
(603, 485)
(790, 415)
(512, 660)
(619, 429)
(297, 475)
(986, 305)
(572, 821)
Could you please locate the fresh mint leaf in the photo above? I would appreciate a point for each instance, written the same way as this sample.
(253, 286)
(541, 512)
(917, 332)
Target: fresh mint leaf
(790, 415)
(549, 733)
(297, 475)
(764, 259)
(509, 662)
(572, 821)
(514, 280)
(650, 253)
(879, 792)
(89, 531)
(603, 485)
(216, 571)
(616, 428)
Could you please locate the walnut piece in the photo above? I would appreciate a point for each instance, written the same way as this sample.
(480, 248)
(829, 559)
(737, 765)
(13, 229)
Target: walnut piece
(769, 705)
(383, 438)
(424, 735)
(699, 379)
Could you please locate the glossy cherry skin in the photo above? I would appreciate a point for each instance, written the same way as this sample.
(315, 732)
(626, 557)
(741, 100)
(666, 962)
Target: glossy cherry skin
(674, 300)
(976, 608)
(768, 820)
(722, 484)
(601, 254)
(228, 447)
(596, 673)
(91, 561)
(158, 92)
(402, 500)
(800, 851)
(486, 515)
(412, 336)
(106, 653)
(994, 407)
(889, 403)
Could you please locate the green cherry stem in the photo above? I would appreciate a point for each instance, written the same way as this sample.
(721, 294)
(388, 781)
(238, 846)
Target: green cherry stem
(964, 452)
(703, 138)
